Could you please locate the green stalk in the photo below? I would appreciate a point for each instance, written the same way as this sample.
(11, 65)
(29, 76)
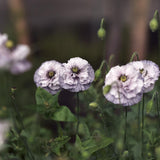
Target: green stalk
(156, 15)
(139, 107)
(78, 111)
(157, 105)
(142, 132)
(125, 131)
(133, 55)
(18, 119)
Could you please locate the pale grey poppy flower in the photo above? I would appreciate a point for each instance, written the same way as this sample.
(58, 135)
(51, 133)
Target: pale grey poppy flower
(13, 58)
(20, 67)
(5, 59)
(47, 76)
(4, 127)
(3, 39)
(19, 64)
(77, 75)
(126, 85)
(20, 52)
(149, 71)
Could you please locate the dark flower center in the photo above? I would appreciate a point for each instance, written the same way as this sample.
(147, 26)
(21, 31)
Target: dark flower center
(123, 78)
(141, 70)
(75, 70)
(51, 74)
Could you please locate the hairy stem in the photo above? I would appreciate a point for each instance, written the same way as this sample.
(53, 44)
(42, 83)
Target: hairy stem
(78, 110)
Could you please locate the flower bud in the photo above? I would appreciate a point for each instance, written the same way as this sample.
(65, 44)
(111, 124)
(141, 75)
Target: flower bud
(119, 146)
(149, 154)
(93, 105)
(97, 74)
(101, 33)
(157, 150)
(153, 25)
(106, 89)
(13, 89)
(125, 154)
(85, 154)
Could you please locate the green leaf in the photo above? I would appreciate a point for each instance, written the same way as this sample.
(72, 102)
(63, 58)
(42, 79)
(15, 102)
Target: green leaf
(95, 146)
(54, 145)
(63, 114)
(78, 143)
(83, 130)
(45, 98)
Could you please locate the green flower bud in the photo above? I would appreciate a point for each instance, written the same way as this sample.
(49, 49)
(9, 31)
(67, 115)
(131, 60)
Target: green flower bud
(125, 154)
(106, 89)
(93, 105)
(85, 154)
(153, 25)
(148, 146)
(149, 154)
(119, 146)
(97, 74)
(157, 150)
(13, 89)
(101, 33)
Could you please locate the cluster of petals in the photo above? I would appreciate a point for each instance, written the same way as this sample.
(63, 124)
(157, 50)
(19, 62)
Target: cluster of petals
(4, 127)
(129, 82)
(76, 75)
(13, 58)
(150, 73)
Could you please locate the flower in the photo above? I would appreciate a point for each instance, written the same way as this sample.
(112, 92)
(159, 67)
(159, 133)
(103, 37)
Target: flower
(19, 64)
(5, 59)
(149, 71)
(3, 38)
(20, 52)
(20, 67)
(77, 75)
(13, 58)
(47, 76)
(125, 85)
(4, 126)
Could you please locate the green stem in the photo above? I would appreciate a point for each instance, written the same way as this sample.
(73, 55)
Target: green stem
(17, 117)
(142, 132)
(102, 21)
(125, 131)
(78, 111)
(157, 104)
(133, 55)
(139, 107)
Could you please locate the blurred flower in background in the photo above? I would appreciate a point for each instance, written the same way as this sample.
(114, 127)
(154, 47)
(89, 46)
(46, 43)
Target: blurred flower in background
(4, 127)
(13, 58)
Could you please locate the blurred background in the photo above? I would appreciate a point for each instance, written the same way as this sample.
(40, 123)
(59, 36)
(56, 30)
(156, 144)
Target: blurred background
(58, 29)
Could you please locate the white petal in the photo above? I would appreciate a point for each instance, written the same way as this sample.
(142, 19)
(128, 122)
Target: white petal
(3, 38)
(41, 79)
(76, 82)
(20, 52)
(20, 67)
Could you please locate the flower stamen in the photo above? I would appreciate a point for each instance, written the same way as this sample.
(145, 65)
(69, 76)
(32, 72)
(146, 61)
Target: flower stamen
(75, 70)
(9, 44)
(123, 78)
(51, 74)
(141, 70)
